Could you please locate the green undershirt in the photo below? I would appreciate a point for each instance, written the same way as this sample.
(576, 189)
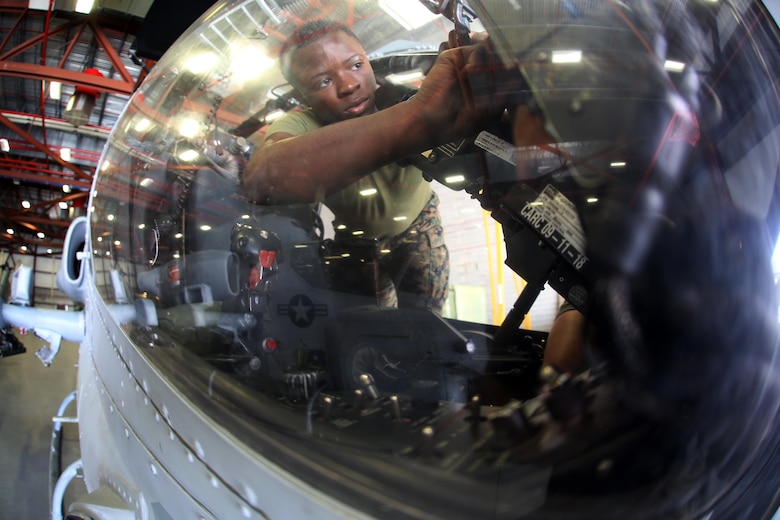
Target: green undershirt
(401, 191)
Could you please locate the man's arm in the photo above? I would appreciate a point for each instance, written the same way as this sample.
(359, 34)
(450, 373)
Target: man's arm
(304, 168)
(566, 343)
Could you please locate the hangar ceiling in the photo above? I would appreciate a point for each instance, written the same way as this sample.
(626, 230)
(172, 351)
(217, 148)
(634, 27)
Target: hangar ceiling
(48, 154)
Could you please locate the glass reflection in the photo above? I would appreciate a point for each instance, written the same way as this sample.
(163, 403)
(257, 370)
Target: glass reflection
(631, 171)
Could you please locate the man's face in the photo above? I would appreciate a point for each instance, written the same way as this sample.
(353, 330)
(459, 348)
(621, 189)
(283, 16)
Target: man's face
(334, 76)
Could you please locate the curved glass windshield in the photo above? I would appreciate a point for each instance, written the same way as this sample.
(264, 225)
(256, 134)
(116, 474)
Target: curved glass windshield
(568, 308)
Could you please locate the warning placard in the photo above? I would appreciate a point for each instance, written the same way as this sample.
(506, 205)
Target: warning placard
(497, 146)
(555, 218)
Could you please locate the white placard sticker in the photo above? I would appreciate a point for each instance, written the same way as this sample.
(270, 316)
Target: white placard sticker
(555, 217)
(493, 144)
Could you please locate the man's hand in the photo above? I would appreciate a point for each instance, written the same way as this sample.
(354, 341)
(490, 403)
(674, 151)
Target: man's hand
(228, 161)
(461, 93)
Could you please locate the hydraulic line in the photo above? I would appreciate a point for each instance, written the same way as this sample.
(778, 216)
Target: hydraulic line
(65, 479)
(55, 453)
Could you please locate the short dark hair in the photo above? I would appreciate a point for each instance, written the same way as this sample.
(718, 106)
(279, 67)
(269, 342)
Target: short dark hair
(307, 34)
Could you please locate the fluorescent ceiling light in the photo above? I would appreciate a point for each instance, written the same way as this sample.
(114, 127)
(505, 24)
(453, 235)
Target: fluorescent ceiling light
(55, 90)
(674, 66)
(189, 128)
(574, 56)
(142, 125)
(65, 154)
(5, 145)
(249, 62)
(202, 62)
(275, 114)
(84, 6)
(411, 14)
(406, 78)
(188, 155)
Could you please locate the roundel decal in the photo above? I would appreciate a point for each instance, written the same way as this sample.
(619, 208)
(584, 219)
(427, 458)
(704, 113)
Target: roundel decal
(302, 311)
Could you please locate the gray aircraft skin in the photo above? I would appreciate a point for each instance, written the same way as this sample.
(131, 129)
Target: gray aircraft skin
(234, 362)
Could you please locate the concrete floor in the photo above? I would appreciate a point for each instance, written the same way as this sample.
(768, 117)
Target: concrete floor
(30, 395)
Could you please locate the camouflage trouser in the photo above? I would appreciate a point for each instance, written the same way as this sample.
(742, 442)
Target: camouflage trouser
(414, 267)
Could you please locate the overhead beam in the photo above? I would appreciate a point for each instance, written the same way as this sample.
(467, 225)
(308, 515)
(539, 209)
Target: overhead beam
(55, 180)
(44, 149)
(116, 61)
(35, 40)
(79, 24)
(44, 73)
(13, 240)
(32, 219)
(24, 119)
